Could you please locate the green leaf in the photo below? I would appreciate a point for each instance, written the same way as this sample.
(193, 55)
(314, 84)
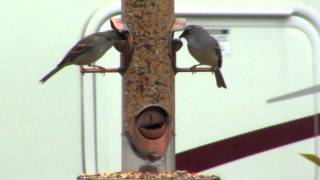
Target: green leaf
(312, 158)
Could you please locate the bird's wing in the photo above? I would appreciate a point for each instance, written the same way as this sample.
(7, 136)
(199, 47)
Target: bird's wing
(217, 49)
(83, 46)
(219, 54)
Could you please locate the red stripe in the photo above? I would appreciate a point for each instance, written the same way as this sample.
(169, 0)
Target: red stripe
(221, 152)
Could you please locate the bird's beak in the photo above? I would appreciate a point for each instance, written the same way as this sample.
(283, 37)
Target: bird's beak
(182, 35)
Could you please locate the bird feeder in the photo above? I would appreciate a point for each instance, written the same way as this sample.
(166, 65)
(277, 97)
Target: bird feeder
(148, 68)
(148, 86)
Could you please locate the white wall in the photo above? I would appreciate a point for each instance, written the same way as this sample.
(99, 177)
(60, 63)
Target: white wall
(39, 131)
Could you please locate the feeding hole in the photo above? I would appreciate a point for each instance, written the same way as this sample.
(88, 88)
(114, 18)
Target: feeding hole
(152, 122)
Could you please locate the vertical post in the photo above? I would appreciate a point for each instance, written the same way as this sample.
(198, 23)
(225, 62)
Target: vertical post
(148, 87)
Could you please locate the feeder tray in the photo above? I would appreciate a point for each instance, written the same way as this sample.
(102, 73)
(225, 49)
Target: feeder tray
(177, 175)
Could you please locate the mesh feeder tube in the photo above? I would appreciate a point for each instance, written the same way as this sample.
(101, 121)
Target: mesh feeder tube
(148, 87)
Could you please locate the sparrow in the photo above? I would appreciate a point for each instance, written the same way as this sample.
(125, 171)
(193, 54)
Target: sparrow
(205, 49)
(88, 50)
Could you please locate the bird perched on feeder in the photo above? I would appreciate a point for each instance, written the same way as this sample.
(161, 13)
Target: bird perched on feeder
(205, 49)
(88, 50)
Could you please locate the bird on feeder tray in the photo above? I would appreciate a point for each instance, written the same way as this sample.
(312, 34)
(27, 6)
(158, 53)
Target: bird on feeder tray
(205, 49)
(88, 50)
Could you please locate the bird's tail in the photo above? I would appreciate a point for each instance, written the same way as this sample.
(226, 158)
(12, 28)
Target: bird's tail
(51, 73)
(219, 79)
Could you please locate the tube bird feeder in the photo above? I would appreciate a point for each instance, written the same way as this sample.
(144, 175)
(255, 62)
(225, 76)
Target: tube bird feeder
(148, 68)
(148, 87)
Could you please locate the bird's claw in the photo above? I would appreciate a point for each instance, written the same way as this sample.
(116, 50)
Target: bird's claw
(103, 70)
(193, 70)
(100, 67)
(213, 69)
(82, 71)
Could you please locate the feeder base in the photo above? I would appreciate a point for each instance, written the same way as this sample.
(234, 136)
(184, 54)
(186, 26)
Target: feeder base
(181, 175)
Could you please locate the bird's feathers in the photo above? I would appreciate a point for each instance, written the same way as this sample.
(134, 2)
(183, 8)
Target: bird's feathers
(219, 54)
(205, 49)
(51, 73)
(87, 50)
(219, 78)
(83, 46)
